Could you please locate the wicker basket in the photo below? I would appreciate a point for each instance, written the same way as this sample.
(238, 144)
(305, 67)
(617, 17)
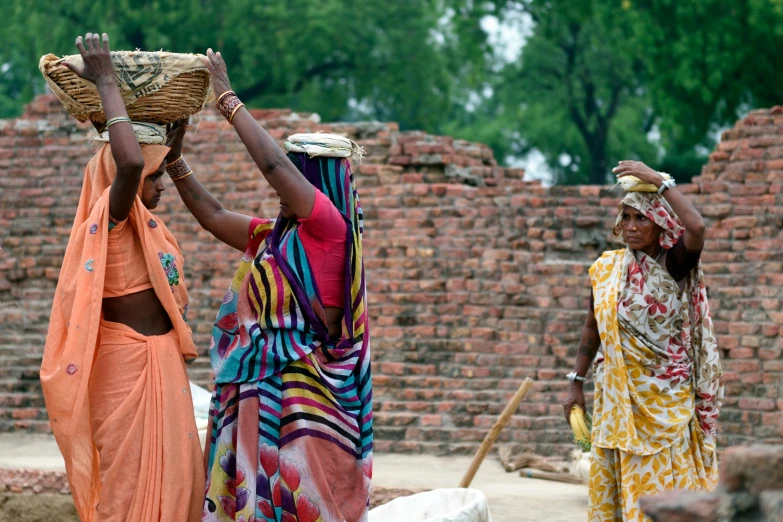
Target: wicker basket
(157, 87)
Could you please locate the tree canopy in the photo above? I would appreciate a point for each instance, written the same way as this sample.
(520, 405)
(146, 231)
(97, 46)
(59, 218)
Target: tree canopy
(596, 81)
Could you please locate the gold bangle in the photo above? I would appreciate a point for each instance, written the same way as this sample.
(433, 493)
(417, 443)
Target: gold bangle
(173, 162)
(224, 95)
(233, 113)
(178, 169)
(179, 178)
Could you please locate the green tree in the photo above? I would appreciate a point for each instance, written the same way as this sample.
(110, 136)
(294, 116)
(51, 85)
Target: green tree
(705, 60)
(576, 92)
(340, 58)
(597, 77)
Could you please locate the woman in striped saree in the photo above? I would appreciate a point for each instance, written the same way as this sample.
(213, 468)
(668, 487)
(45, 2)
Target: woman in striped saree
(290, 435)
(658, 381)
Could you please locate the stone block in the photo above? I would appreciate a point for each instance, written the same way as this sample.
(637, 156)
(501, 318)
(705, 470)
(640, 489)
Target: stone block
(752, 468)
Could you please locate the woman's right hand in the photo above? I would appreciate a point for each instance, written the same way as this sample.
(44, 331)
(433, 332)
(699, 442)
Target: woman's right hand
(98, 67)
(576, 397)
(175, 135)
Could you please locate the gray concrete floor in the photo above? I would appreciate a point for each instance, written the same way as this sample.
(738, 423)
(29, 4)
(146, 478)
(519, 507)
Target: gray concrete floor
(511, 497)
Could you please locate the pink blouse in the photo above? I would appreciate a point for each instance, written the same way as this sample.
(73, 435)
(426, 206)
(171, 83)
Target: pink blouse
(323, 235)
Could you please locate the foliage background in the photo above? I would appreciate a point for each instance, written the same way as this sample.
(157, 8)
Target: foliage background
(578, 84)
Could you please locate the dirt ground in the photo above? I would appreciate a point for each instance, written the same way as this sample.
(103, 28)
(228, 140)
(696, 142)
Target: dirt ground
(32, 484)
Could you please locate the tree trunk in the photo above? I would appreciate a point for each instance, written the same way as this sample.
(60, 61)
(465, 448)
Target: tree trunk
(598, 164)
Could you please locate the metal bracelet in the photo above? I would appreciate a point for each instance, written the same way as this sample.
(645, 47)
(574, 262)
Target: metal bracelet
(574, 377)
(666, 184)
(228, 106)
(180, 178)
(233, 113)
(178, 169)
(227, 93)
(118, 119)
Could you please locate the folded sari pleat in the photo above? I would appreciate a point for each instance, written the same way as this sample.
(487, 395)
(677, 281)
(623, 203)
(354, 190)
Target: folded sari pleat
(144, 430)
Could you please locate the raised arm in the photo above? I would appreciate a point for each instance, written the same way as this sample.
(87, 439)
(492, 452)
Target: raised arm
(229, 227)
(278, 170)
(693, 237)
(99, 69)
(588, 348)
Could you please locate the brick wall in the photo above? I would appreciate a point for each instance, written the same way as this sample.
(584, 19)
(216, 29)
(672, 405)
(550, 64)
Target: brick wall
(476, 278)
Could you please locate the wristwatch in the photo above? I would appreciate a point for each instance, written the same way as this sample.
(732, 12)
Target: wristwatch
(668, 183)
(574, 377)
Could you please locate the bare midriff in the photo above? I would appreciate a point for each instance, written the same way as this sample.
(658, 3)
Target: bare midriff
(142, 311)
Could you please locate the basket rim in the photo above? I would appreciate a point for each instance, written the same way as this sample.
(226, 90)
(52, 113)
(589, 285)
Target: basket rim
(84, 111)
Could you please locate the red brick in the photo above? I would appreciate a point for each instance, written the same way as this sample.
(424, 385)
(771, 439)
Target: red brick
(753, 403)
(393, 368)
(431, 420)
(741, 353)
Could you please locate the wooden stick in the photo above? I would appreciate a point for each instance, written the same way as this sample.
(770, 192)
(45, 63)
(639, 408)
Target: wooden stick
(548, 475)
(492, 436)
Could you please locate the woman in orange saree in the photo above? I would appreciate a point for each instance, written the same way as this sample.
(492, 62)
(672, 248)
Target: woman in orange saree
(113, 371)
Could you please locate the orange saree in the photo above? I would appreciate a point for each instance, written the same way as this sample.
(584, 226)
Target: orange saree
(119, 403)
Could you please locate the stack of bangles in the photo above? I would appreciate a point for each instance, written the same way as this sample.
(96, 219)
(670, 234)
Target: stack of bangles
(178, 169)
(228, 104)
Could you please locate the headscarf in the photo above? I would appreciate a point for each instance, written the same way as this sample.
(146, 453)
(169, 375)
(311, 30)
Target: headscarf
(76, 311)
(657, 210)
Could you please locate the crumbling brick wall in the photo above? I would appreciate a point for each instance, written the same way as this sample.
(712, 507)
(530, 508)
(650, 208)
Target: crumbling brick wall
(476, 279)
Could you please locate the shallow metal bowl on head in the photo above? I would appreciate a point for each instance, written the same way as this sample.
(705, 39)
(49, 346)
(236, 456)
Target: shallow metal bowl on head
(157, 87)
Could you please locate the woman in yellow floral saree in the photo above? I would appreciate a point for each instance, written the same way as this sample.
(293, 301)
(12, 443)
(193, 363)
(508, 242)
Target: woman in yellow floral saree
(658, 382)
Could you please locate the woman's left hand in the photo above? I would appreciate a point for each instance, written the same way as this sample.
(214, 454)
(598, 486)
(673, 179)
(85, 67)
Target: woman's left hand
(218, 73)
(175, 136)
(640, 170)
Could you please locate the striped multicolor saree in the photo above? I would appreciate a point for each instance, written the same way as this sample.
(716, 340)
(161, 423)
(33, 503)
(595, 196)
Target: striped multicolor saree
(291, 414)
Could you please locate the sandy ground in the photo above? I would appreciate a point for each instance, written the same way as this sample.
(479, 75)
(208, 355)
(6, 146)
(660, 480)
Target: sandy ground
(511, 498)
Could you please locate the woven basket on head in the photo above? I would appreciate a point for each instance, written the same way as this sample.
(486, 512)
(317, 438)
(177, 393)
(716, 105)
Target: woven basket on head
(157, 87)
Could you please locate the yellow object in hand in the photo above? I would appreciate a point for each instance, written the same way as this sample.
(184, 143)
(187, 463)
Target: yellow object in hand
(580, 427)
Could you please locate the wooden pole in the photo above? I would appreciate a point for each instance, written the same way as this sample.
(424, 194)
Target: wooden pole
(548, 475)
(492, 436)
